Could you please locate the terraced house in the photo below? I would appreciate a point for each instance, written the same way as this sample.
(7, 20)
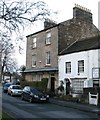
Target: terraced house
(45, 47)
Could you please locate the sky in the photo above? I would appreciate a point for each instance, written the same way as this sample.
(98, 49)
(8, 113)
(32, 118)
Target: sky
(65, 8)
(65, 12)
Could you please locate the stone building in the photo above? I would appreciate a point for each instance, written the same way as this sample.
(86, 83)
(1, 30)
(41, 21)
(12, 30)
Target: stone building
(44, 47)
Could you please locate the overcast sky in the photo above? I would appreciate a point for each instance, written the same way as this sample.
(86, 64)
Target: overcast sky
(65, 8)
(65, 12)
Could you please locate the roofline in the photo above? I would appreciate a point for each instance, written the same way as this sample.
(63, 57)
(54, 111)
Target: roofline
(97, 36)
(61, 23)
(41, 70)
(42, 30)
(49, 27)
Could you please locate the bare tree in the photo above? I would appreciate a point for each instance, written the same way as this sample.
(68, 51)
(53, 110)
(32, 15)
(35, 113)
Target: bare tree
(8, 64)
(14, 16)
(22, 69)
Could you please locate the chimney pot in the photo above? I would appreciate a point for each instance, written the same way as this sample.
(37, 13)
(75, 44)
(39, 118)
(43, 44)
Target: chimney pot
(80, 12)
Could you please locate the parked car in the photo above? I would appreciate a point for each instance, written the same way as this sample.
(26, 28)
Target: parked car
(14, 90)
(34, 95)
(5, 87)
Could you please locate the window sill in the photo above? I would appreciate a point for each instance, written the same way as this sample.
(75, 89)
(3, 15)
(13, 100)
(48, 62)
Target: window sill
(34, 47)
(48, 44)
(34, 66)
(47, 65)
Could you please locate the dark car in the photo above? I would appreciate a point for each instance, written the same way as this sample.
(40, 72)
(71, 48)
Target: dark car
(5, 87)
(34, 95)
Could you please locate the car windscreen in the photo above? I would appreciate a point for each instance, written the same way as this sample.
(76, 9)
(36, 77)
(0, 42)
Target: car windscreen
(35, 91)
(16, 87)
(7, 85)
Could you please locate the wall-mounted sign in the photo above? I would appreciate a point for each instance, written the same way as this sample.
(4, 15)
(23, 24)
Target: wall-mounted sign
(96, 73)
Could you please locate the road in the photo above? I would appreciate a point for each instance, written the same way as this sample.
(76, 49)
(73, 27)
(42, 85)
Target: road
(23, 109)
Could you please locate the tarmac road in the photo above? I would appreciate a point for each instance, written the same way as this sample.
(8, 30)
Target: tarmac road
(23, 109)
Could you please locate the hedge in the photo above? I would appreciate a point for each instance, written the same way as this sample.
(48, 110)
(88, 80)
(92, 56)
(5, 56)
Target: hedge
(42, 85)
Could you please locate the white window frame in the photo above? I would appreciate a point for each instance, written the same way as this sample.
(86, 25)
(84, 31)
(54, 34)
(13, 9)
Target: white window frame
(34, 60)
(48, 59)
(78, 86)
(48, 38)
(68, 67)
(80, 66)
(34, 42)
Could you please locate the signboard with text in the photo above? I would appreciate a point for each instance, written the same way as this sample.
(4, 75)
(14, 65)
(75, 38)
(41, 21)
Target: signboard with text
(95, 73)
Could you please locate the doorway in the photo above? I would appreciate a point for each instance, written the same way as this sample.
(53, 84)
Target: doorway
(52, 86)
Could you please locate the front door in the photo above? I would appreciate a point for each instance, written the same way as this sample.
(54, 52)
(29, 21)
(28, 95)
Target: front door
(52, 86)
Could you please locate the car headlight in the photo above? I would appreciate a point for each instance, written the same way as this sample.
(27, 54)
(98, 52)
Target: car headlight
(36, 96)
(47, 96)
(31, 94)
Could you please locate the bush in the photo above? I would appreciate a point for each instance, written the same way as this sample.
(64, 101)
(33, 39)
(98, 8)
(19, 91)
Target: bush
(42, 85)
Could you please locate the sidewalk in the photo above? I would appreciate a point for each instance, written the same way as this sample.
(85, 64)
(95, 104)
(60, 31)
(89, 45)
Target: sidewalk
(79, 106)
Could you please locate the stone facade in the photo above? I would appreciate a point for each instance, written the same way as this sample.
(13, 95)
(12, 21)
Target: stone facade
(63, 35)
(78, 28)
(41, 70)
(42, 48)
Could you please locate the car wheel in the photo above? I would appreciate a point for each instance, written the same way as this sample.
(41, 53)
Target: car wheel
(11, 94)
(7, 93)
(30, 100)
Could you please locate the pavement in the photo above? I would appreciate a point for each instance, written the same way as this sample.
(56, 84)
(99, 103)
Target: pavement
(79, 106)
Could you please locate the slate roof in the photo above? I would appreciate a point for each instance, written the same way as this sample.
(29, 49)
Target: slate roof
(83, 45)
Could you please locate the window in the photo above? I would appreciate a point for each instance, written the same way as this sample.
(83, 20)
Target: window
(34, 42)
(40, 76)
(48, 38)
(78, 85)
(80, 66)
(34, 77)
(48, 58)
(34, 60)
(68, 67)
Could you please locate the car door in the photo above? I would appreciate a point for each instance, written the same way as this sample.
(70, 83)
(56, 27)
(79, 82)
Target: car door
(9, 89)
(26, 93)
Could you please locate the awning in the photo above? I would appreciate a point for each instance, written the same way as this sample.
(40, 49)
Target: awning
(41, 70)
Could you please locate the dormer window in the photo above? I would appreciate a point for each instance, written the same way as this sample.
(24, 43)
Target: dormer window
(48, 38)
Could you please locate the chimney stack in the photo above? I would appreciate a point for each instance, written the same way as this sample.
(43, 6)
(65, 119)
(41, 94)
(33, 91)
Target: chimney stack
(83, 13)
(49, 23)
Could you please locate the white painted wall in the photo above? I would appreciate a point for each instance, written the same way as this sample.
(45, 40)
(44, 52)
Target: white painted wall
(90, 61)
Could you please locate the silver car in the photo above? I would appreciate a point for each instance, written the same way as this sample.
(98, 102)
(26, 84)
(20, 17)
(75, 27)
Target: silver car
(14, 90)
